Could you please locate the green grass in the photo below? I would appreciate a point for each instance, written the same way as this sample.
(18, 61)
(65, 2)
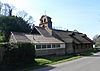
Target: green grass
(43, 61)
(55, 59)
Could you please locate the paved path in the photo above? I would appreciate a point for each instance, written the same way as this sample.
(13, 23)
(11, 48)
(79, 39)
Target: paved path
(89, 63)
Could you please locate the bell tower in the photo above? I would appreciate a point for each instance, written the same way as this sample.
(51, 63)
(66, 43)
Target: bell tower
(45, 22)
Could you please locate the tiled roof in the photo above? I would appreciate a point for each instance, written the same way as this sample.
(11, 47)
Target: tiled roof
(80, 38)
(87, 38)
(42, 39)
(43, 31)
(20, 37)
(65, 36)
(45, 37)
(45, 16)
(70, 36)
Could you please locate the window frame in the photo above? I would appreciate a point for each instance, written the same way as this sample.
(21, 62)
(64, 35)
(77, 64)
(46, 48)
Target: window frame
(38, 48)
(47, 46)
(43, 47)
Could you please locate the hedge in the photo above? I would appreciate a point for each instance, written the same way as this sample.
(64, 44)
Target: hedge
(19, 53)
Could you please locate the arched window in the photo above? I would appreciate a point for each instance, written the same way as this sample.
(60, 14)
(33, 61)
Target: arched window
(44, 20)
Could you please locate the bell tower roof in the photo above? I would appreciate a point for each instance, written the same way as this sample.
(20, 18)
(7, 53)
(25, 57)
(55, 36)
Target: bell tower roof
(45, 16)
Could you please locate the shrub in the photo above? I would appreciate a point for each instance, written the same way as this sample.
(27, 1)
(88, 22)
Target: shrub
(19, 54)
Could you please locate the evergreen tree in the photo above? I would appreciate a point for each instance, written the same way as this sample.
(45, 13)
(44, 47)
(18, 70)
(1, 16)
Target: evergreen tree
(14, 24)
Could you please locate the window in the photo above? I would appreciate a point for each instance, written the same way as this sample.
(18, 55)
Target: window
(43, 46)
(57, 45)
(38, 46)
(53, 45)
(48, 46)
(44, 20)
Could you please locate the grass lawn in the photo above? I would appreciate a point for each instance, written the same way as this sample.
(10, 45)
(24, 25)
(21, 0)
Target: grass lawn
(50, 60)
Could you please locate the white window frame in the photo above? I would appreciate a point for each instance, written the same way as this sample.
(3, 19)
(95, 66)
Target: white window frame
(48, 48)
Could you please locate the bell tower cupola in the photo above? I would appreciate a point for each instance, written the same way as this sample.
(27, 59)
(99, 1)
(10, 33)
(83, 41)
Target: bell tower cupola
(45, 22)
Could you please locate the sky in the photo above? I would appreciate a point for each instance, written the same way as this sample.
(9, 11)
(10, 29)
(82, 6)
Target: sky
(80, 15)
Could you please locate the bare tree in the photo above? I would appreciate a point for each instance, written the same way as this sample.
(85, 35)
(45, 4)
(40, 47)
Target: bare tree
(6, 9)
(30, 20)
(95, 37)
(25, 16)
(22, 14)
(1, 4)
(10, 9)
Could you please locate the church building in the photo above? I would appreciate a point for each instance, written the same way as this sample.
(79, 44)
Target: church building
(49, 41)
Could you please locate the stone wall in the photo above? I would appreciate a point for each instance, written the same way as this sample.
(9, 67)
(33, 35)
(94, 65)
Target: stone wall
(83, 48)
(55, 51)
(69, 48)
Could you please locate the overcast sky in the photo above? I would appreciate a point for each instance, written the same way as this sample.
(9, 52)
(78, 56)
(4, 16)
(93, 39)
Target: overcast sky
(82, 15)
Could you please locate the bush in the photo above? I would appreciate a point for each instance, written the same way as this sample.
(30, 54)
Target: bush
(19, 54)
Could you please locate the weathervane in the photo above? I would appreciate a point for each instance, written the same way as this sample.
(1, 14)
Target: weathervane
(45, 12)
